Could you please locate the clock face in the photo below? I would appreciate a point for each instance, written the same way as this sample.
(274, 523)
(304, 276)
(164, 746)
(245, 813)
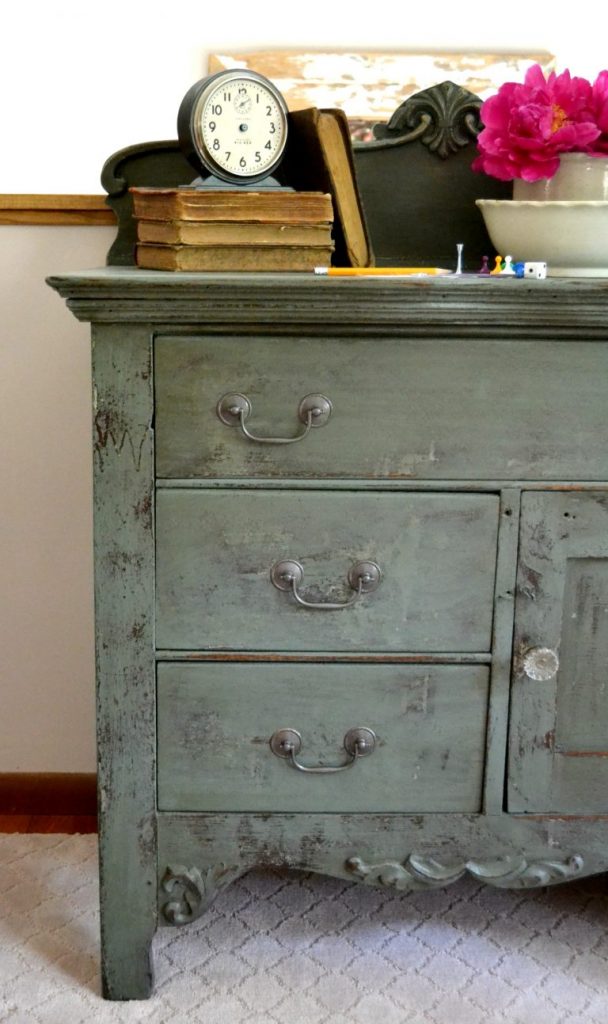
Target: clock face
(236, 122)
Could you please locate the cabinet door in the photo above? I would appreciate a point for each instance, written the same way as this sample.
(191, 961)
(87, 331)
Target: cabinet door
(559, 706)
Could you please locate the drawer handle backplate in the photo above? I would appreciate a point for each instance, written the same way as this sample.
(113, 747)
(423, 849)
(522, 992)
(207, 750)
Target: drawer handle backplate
(363, 578)
(313, 411)
(358, 742)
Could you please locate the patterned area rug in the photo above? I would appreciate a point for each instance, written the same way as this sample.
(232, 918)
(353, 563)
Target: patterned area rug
(282, 947)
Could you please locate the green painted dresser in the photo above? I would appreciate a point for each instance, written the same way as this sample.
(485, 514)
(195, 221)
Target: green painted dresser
(351, 585)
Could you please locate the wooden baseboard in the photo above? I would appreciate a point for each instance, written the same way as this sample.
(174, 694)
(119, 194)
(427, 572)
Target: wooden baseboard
(57, 793)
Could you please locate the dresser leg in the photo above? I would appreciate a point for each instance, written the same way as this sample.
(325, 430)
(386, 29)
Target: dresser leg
(128, 908)
(127, 970)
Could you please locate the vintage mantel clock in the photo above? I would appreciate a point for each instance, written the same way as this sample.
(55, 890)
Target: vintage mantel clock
(233, 125)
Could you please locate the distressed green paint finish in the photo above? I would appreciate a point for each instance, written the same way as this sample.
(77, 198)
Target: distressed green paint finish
(403, 852)
(215, 722)
(502, 642)
(559, 730)
(215, 550)
(252, 303)
(402, 408)
(327, 842)
(450, 397)
(124, 596)
(327, 658)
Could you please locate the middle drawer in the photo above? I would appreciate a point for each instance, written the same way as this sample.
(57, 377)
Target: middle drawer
(218, 553)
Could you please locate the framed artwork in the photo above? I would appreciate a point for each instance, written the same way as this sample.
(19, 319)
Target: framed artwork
(370, 86)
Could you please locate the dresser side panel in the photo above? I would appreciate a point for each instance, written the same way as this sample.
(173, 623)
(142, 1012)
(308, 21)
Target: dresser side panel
(124, 596)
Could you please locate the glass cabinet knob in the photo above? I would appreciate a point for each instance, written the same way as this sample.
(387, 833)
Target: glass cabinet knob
(540, 663)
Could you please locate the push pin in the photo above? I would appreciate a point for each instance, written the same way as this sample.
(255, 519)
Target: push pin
(484, 268)
(459, 248)
(497, 265)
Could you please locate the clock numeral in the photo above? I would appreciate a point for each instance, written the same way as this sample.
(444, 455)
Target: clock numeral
(268, 145)
(227, 98)
(268, 111)
(228, 155)
(272, 128)
(212, 126)
(242, 162)
(258, 157)
(216, 144)
(217, 108)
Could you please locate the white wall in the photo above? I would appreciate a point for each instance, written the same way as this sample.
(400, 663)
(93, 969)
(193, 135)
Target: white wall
(46, 605)
(79, 82)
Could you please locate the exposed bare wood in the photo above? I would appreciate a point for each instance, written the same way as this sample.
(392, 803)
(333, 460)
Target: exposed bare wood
(323, 658)
(372, 85)
(582, 753)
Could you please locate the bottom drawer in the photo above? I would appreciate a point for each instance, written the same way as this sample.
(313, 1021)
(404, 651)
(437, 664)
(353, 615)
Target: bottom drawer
(215, 722)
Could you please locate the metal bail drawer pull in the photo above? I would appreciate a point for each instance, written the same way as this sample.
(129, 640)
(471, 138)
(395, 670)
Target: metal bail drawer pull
(235, 409)
(358, 742)
(363, 578)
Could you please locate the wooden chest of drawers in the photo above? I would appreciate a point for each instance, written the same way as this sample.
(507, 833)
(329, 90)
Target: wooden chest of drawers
(351, 585)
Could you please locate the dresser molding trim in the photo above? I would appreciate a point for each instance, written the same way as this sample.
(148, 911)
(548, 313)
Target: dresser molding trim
(505, 872)
(326, 842)
(256, 303)
(188, 892)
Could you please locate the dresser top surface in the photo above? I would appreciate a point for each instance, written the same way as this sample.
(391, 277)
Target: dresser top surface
(454, 304)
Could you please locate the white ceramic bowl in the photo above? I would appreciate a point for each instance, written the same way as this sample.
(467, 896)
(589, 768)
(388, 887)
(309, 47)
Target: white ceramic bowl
(570, 237)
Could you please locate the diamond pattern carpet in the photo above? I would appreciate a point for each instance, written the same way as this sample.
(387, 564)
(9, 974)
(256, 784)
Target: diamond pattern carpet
(280, 947)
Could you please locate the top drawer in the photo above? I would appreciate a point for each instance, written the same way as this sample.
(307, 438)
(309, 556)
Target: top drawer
(400, 408)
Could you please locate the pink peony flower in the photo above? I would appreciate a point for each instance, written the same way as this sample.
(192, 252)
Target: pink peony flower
(600, 113)
(526, 127)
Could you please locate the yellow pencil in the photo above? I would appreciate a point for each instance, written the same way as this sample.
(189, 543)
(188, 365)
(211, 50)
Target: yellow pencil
(378, 271)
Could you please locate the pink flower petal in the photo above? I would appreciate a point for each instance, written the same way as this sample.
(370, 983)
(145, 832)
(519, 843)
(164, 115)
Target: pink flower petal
(527, 126)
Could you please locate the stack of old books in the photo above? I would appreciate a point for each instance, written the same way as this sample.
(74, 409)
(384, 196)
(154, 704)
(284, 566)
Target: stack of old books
(317, 220)
(217, 229)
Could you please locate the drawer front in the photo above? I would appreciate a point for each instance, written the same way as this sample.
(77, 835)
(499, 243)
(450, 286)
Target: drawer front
(436, 555)
(215, 722)
(401, 408)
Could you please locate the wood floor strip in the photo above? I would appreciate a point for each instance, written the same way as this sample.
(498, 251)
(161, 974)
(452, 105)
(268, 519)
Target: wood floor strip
(67, 824)
(54, 793)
